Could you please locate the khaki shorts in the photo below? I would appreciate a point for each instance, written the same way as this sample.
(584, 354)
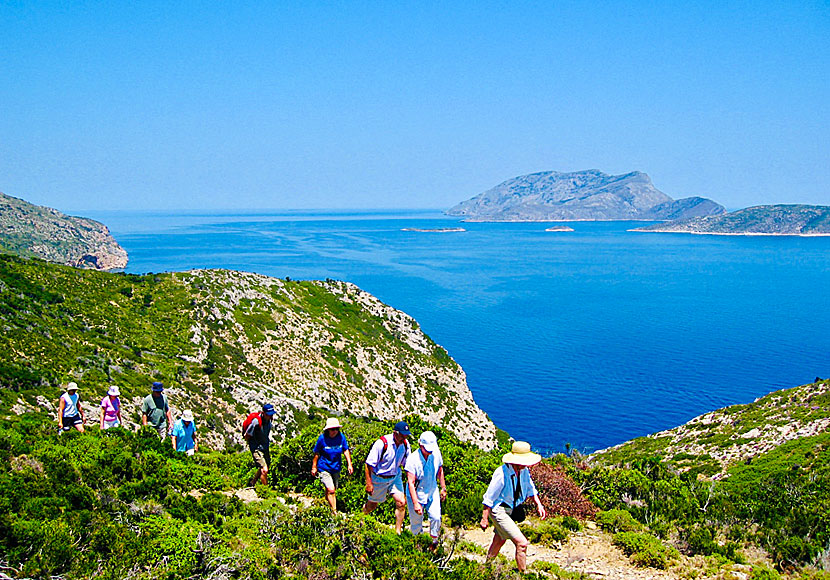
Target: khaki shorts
(504, 525)
(330, 479)
(384, 487)
(262, 459)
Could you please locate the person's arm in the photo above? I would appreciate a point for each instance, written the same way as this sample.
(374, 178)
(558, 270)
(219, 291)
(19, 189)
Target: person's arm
(173, 439)
(411, 479)
(349, 467)
(103, 414)
(539, 507)
(485, 517)
(370, 488)
(195, 441)
(144, 410)
(442, 483)
(314, 465)
(61, 407)
(81, 411)
(169, 418)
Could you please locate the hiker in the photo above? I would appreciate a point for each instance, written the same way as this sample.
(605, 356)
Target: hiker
(327, 462)
(509, 488)
(70, 412)
(257, 432)
(383, 471)
(184, 434)
(156, 410)
(425, 471)
(111, 409)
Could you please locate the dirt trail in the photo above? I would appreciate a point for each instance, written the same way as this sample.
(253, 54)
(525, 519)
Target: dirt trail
(589, 552)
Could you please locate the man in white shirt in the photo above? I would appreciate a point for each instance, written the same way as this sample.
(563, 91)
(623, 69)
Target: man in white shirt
(383, 472)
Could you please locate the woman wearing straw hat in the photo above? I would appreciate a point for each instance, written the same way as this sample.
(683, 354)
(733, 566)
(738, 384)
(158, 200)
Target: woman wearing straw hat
(327, 463)
(510, 486)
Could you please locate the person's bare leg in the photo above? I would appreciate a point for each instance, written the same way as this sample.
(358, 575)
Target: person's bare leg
(495, 547)
(400, 511)
(369, 507)
(521, 553)
(331, 497)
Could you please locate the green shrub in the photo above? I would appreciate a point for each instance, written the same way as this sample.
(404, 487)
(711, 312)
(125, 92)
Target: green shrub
(548, 533)
(645, 549)
(617, 520)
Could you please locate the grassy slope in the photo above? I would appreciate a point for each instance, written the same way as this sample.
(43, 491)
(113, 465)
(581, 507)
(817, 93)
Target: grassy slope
(220, 341)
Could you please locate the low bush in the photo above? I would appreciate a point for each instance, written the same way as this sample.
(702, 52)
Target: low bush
(617, 520)
(645, 549)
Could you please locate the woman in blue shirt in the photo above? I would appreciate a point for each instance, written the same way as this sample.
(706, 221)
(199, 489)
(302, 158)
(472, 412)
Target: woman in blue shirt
(510, 487)
(326, 465)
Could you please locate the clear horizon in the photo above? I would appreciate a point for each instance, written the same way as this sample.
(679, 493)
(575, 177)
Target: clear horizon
(355, 106)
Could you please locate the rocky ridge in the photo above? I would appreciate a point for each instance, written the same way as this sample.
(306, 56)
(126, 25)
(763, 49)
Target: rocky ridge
(33, 231)
(304, 361)
(801, 220)
(224, 342)
(735, 434)
(580, 195)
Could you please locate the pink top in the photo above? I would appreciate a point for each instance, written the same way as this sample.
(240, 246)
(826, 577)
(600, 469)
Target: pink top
(111, 408)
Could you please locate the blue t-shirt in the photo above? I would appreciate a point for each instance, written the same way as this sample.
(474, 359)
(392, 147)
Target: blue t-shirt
(184, 435)
(330, 449)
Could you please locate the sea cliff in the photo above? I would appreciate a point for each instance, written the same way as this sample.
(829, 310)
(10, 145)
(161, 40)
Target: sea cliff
(30, 230)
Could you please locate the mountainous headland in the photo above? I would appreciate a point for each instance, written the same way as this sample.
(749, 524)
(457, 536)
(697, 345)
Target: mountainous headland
(224, 342)
(34, 231)
(580, 196)
(761, 220)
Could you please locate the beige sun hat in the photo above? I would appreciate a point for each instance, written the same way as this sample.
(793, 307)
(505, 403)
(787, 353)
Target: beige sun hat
(521, 455)
(332, 423)
(72, 386)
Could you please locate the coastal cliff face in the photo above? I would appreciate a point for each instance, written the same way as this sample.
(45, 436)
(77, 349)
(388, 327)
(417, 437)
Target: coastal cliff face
(33, 231)
(580, 195)
(804, 220)
(223, 343)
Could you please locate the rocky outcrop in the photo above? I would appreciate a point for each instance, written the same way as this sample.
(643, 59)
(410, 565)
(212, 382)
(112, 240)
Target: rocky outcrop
(301, 360)
(770, 220)
(580, 195)
(32, 231)
(734, 434)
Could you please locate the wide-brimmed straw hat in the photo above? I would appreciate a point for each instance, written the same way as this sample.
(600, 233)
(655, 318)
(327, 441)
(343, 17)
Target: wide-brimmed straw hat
(332, 423)
(521, 455)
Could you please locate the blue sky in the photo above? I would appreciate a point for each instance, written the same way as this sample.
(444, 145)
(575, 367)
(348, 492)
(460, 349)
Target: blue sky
(226, 105)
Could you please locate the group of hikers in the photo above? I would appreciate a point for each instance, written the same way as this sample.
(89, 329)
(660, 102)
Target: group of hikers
(414, 479)
(155, 411)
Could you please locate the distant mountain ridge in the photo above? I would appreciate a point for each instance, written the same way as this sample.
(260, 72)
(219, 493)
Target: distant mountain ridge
(580, 195)
(33, 231)
(803, 220)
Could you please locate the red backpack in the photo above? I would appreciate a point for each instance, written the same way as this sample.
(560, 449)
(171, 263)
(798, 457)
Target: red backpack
(249, 419)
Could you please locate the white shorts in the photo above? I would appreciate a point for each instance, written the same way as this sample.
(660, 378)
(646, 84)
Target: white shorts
(111, 424)
(432, 509)
(384, 487)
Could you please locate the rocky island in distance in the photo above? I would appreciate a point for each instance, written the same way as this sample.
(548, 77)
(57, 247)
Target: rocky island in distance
(761, 220)
(590, 195)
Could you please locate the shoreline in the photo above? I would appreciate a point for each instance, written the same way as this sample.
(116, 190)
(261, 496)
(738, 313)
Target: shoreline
(814, 235)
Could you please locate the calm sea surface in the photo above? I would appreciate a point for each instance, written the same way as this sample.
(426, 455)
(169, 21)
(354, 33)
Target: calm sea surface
(589, 338)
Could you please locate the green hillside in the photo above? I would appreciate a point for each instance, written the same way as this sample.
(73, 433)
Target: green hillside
(222, 343)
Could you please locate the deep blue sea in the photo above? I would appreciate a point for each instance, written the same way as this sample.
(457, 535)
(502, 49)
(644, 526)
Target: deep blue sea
(589, 338)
